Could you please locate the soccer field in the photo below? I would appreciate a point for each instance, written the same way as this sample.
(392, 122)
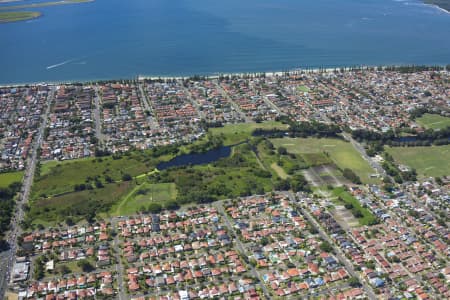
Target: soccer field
(428, 161)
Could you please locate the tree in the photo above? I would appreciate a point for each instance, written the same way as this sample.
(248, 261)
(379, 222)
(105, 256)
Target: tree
(354, 282)
(85, 265)
(126, 177)
(63, 269)
(172, 205)
(282, 150)
(326, 247)
(350, 175)
(154, 208)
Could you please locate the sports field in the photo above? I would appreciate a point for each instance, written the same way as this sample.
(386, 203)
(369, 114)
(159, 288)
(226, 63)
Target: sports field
(340, 152)
(428, 161)
(7, 178)
(433, 121)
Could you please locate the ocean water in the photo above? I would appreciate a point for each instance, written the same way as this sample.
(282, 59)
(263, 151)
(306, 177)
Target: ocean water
(124, 38)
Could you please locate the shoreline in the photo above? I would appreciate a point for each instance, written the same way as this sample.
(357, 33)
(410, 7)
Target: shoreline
(438, 7)
(214, 75)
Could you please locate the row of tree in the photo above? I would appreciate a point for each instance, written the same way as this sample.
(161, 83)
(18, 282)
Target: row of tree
(7, 204)
(425, 138)
(301, 129)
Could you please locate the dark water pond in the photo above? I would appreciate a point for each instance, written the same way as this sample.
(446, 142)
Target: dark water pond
(196, 158)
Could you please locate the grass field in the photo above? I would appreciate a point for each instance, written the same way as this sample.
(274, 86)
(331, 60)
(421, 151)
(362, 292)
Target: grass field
(15, 16)
(347, 198)
(49, 211)
(143, 195)
(428, 161)
(7, 178)
(433, 121)
(60, 177)
(235, 133)
(340, 152)
(316, 159)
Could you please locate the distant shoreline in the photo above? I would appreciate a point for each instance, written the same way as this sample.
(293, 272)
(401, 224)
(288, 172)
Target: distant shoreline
(209, 76)
(445, 7)
(18, 16)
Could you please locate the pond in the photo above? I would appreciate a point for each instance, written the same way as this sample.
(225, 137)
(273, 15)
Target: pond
(196, 158)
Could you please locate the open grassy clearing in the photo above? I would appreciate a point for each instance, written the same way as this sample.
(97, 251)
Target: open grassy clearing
(344, 197)
(303, 88)
(7, 178)
(76, 205)
(433, 121)
(14, 16)
(340, 152)
(279, 170)
(71, 265)
(47, 166)
(428, 161)
(60, 177)
(236, 133)
(144, 194)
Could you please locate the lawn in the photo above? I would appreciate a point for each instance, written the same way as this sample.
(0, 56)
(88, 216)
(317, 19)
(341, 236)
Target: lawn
(339, 151)
(7, 178)
(428, 161)
(144, 194)
(236, 133)
(433, 121)
(367, 217)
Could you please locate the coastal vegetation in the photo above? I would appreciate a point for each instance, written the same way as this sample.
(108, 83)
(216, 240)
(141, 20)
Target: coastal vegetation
(14, 16)
(9, 13)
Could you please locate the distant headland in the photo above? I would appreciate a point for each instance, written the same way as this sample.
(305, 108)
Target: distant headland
(443, 4)
(9, 13)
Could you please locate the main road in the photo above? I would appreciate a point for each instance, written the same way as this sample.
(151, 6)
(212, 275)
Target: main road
(98, 121)
(7, 258)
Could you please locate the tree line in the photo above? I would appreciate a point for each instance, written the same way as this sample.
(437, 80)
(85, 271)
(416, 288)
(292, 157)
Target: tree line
(7, 204)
